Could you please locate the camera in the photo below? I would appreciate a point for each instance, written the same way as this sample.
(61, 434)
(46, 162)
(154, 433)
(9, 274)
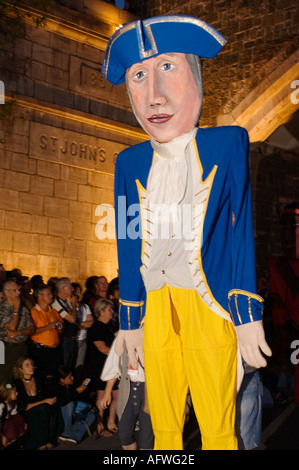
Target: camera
(57, 324)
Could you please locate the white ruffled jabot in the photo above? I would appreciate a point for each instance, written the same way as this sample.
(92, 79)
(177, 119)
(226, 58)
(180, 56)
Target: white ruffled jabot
(167, 180)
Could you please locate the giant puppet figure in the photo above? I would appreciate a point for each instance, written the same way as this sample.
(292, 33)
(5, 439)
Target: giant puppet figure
(191, 271)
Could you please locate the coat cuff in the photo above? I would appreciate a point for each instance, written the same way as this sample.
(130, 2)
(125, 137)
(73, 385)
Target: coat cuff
(130, 314)
(245, 307)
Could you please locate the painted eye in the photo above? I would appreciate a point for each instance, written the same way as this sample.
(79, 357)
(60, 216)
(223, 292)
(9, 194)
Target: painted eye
(166, 66)
(139, 75)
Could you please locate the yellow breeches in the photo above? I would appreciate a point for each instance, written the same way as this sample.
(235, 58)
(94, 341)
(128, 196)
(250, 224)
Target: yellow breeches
(187, 346)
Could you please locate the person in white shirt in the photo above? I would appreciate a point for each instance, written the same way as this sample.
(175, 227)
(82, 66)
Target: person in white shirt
(131, 400)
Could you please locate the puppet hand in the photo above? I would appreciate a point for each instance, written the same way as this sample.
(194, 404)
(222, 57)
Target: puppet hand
(120, 342)
(251, 339)
(133, 341)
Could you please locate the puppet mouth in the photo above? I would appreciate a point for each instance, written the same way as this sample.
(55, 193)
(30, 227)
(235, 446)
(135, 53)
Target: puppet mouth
(159, 118)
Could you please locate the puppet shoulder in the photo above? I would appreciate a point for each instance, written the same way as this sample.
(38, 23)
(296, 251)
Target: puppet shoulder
(135, 162)
(132, 155)
(222, 144)
(224, 133)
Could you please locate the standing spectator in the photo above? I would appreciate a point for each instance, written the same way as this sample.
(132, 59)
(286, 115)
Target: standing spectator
(16, 326)
(45, 343)
(101, 337)
(113, 294)
(84, 320)
(91, 289)
(102, 287)
(2, 273)
(1, 292)
(27, 297)
(16, 272)
(52, 284)
(130, 400)
(101, 292)
(36, 281)
(66, 303)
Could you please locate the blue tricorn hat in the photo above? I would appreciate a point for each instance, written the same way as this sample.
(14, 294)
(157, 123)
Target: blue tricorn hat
(143, 39)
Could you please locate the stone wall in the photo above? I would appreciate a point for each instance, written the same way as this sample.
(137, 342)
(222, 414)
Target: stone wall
(275, 176)
(59, 144)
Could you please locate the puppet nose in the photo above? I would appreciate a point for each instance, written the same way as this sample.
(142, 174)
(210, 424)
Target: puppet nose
(156, 96)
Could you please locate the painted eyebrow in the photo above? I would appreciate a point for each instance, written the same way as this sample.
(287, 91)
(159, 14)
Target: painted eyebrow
(171, 54)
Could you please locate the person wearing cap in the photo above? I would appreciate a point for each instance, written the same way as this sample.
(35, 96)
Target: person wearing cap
(190, 269)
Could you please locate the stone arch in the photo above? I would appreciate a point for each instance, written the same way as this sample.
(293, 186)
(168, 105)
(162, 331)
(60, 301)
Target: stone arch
(270, 104)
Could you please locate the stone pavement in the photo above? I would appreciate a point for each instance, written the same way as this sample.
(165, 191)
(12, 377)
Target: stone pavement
(280, 432)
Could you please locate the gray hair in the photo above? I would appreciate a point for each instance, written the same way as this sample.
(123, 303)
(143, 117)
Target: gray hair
(196, 68)
(62, 282)
(7, 284)
(101, 305)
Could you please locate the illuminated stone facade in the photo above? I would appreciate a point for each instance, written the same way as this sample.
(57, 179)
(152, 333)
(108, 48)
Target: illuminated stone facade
(59, 145)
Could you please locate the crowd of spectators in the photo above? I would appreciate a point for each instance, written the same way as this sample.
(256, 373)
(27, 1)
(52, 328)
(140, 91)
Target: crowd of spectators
(56, 336)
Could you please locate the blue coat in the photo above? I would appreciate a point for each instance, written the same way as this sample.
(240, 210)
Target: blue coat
(226, 249)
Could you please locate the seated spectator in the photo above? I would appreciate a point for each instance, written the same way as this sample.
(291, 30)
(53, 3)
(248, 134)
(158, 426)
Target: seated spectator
(69, 399)
(16, 325)
(84, 322)
(12, 424)
(45, 347)
(65, 303)
(43, 415)
(100, 338)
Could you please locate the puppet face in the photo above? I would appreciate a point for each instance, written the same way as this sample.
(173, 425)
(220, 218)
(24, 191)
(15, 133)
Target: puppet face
(290, 234)
(164, 96)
